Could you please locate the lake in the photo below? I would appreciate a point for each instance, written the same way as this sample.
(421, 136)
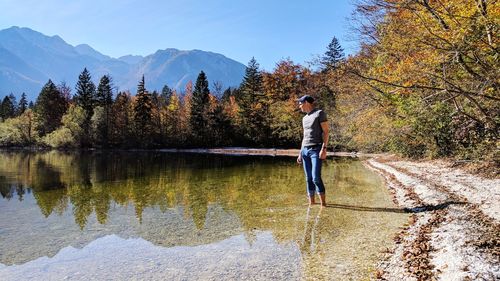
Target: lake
(172, 216)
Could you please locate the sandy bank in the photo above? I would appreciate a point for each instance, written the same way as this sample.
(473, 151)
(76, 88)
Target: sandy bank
(454, 231)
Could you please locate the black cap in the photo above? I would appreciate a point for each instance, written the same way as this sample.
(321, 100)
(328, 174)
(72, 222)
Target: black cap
(305, 98)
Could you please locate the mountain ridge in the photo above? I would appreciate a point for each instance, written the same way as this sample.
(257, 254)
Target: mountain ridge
(29, 58)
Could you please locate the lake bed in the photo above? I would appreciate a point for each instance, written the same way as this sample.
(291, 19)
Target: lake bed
(158, 215)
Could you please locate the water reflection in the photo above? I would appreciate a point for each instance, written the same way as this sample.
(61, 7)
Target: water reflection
(312, 233)
(114, 258)
(51, 200)
(89, 185)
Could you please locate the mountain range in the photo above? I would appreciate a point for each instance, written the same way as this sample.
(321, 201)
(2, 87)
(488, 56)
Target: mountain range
(28, 59)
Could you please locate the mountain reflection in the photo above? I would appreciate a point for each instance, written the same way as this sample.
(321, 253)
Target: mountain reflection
(119, 259)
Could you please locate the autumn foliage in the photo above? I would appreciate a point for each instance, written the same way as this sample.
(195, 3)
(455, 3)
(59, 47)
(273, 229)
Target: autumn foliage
(428, 72)
(424, 83)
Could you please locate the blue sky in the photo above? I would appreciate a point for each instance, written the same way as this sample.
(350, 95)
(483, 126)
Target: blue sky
(267, 30)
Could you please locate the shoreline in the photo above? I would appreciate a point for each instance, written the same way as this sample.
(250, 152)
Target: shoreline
(221, 150)
(260, 151)
(453, 232)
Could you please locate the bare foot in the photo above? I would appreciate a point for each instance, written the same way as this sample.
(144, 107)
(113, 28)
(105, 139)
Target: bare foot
(311, 200)
(322, 198)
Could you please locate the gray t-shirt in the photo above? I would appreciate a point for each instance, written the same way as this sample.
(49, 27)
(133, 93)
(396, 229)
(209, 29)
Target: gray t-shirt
(313, 134)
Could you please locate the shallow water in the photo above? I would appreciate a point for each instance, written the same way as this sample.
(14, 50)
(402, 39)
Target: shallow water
(152, 215)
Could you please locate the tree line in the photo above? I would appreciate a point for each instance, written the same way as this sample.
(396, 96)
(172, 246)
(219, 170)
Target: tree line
(261, 112)
(424, 83)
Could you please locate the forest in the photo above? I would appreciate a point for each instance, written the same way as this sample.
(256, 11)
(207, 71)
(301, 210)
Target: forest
(424, 83)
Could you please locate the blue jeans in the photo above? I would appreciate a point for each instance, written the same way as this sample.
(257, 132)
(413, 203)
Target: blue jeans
(312, 169)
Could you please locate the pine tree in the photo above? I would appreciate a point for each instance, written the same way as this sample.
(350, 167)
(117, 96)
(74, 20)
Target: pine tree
(104, 94)
(85, 92)
(251, 86)
(199, 107)
(104, 99)
(8, 109)
(23, 104)
(13, 101)
(49, 108)
(85, 97)
(142, 113)
(333, 56)
(253, 104)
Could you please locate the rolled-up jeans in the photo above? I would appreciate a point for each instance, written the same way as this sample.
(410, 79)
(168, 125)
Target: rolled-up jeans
(312, 169)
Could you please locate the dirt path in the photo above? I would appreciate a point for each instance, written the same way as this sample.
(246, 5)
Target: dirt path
(454, 229)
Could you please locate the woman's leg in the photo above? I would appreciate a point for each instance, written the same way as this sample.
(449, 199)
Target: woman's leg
(316, 175)
(307, 163)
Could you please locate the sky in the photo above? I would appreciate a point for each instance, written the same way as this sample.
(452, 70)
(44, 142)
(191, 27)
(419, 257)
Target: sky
(269, 30)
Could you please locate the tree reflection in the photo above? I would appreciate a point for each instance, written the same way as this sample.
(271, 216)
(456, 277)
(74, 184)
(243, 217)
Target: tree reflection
(89, 183)
(6, 188)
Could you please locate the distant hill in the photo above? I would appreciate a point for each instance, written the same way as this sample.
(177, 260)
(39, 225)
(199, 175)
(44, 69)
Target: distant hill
(131, 59)
(86, 50)
(29, 58)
